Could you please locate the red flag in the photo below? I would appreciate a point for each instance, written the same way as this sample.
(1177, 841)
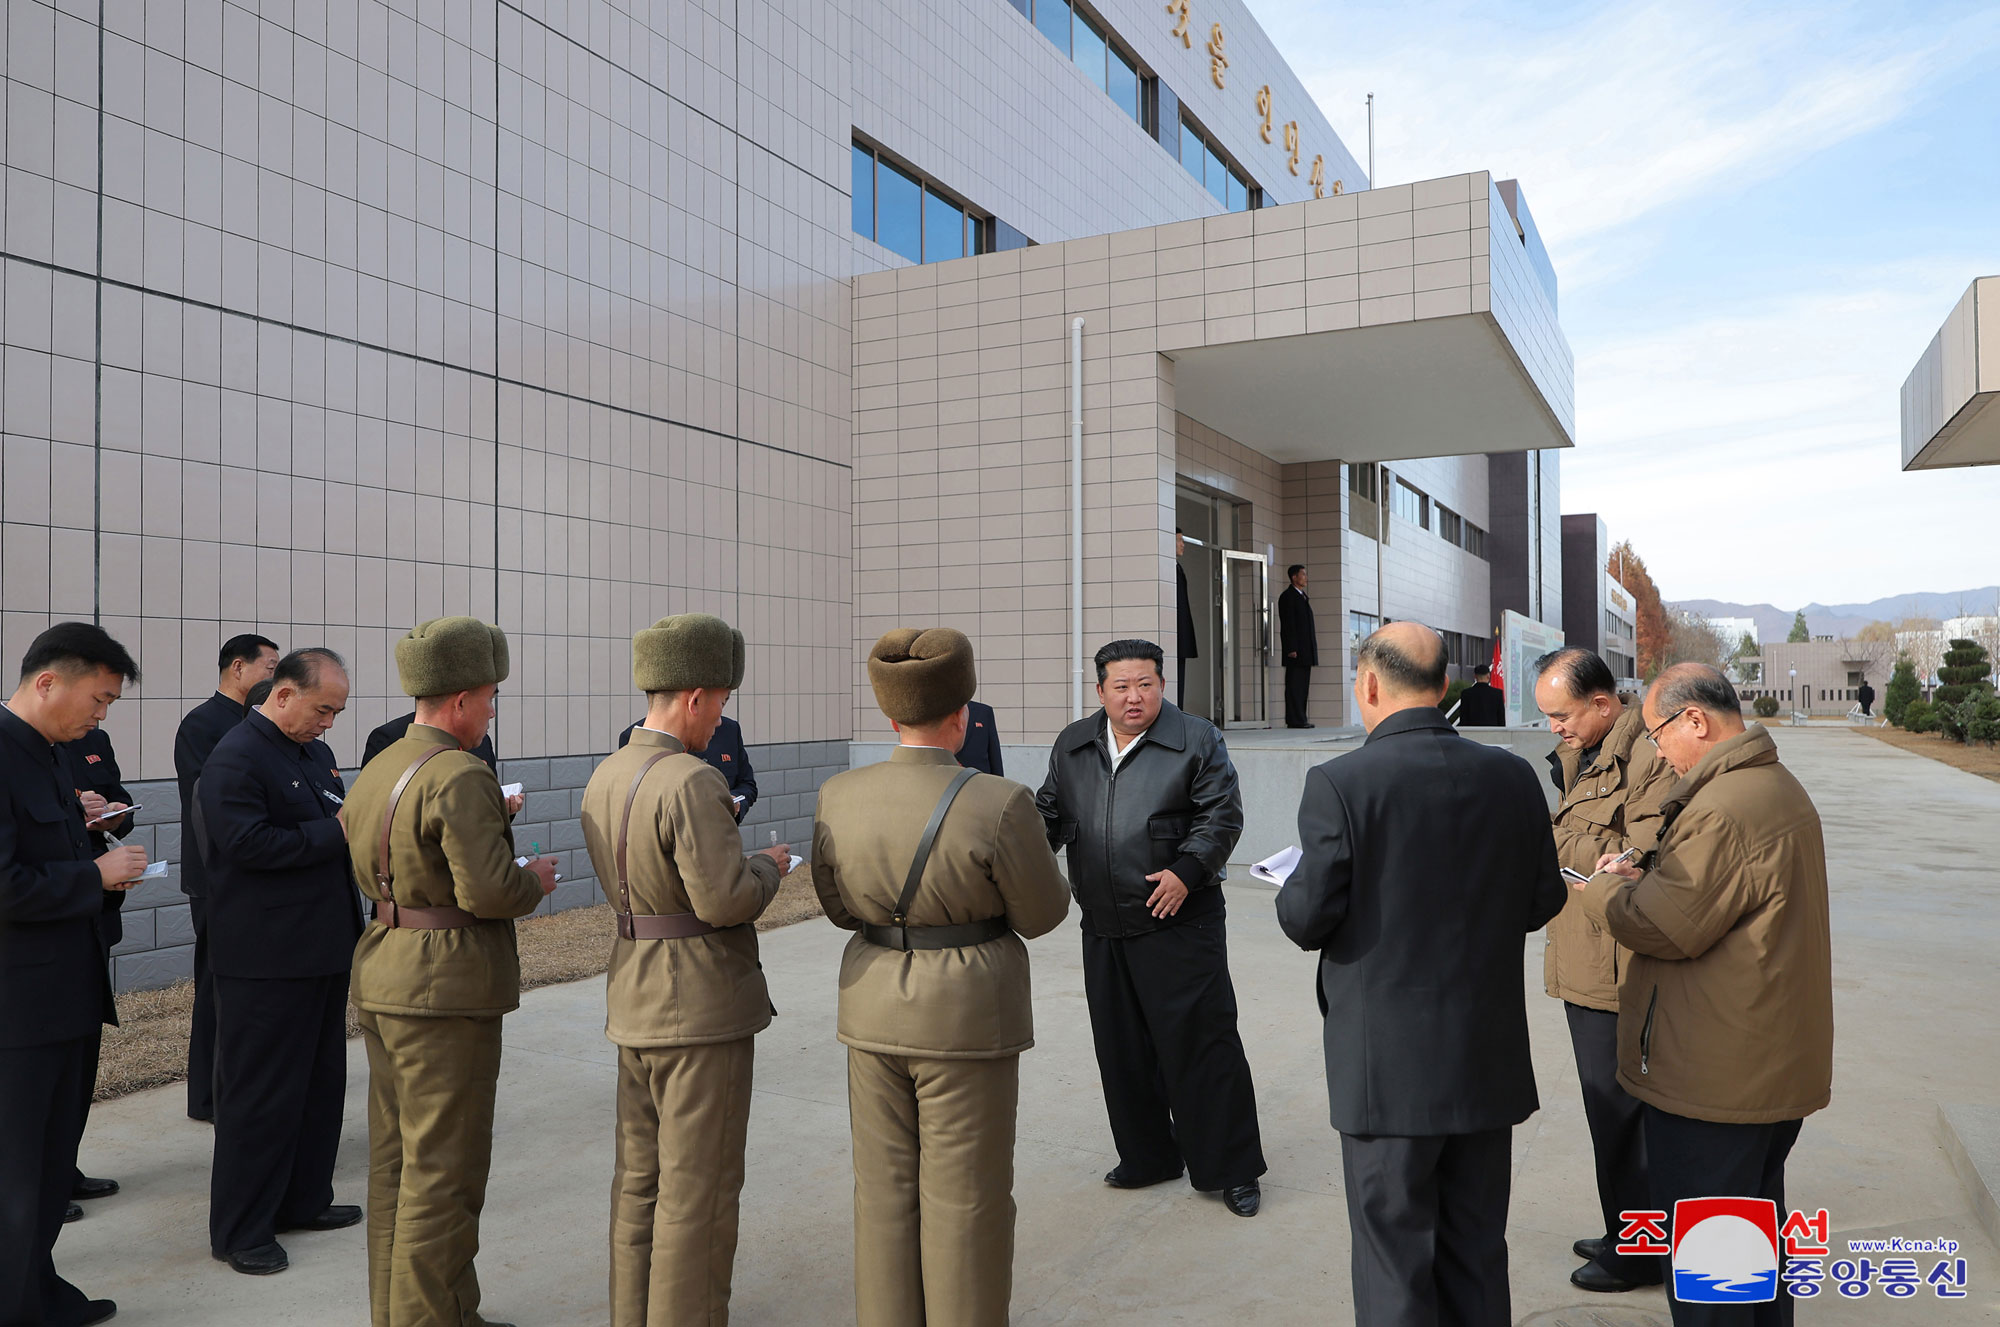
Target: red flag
(1499, 675)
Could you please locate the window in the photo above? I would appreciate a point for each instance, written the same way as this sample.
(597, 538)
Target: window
(1090, 51)
(1412, 504)
(1360, 626)
(1052, 17)
(899, 202)
(864, 191)
(1123, 85)
(1451, 526)
(1203, 160)
(916, 219)
(944, 229)
(1475, 540)
(1361, 481)
(1191, 149)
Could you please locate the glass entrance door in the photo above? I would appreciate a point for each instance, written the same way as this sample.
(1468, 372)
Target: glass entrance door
(1246, 640)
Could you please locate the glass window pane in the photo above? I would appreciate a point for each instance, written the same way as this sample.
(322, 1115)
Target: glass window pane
(1089, 53)
(1124, 87)
(864, 192)
(1191, 150)
(1239, 193)
(1216, 175)
(944, 229)
(899, 213)
(1052, 17)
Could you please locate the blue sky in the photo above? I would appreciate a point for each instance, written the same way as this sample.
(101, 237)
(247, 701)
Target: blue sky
(1759, 217)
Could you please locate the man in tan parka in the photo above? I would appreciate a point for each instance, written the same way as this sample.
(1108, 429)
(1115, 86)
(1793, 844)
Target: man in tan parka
(685, 995)
(433, 973)
(941, 872)
(1610, 781)
(1725, 1023)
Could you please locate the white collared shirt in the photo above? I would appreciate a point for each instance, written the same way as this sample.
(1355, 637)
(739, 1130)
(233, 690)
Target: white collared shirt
(1111, 745)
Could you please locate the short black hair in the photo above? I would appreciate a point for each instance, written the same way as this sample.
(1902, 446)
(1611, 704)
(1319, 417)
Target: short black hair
(260, 693)
(1294, 570)
(1119, 650)
(1582, 672)
(247, 647)
(1481, 670)
(71, 648)
(301, 667)
(1403, 672)
(1702, 685)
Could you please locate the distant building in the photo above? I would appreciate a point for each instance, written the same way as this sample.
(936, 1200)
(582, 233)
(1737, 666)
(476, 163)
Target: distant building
(1597, 612)
(1820, 677)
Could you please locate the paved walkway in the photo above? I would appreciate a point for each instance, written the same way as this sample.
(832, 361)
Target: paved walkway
(1916, 915)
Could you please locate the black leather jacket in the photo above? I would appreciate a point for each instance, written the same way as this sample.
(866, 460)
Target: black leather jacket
(1172, 806)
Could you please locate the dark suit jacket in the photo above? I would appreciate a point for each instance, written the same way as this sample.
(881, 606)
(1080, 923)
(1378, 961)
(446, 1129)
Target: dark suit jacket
(96, 766)
(392, 732)
(1482, 705)
(1296, 631)
(201, 728)
(282, 901)
(727, 754)
(1428, 858)
(1184, 616)
(982, 741)
(55, 981)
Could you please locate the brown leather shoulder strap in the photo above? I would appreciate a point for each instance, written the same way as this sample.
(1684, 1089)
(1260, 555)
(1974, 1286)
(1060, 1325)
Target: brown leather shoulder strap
(382, 872)
(625, 824)
(916, 876)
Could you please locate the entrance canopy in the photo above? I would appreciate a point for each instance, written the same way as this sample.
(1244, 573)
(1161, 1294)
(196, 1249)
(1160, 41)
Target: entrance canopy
(1949, 413)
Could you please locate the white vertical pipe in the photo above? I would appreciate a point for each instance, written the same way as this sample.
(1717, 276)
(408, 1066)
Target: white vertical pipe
(1076, 511)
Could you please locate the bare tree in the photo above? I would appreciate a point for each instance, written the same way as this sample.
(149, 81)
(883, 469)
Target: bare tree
(1691, 638)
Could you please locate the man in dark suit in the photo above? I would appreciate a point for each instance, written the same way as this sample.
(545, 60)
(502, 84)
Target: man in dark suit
(245, 661)
(1298, 641)
(982, 740)
(390, 733)
(1427, 860)
(727, 754)
(100, 784)
(284, 916)
(55, 985)
(1482, 705)
(1185, 646)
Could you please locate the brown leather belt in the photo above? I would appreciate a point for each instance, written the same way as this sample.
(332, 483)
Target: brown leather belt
(956, 936)
(400, 915)
(661, 926)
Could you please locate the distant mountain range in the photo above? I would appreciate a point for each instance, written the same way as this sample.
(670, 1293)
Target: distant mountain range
(1774, 623)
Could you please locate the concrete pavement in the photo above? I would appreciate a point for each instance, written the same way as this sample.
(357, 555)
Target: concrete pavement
(1916, 917)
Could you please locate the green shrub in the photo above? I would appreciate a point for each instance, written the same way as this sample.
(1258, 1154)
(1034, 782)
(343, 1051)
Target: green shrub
(1983, 722)
(1902, 689)
(1920, 716)
(1966, 668)
(1451, 694)
(1765, 706)
(1952, 717)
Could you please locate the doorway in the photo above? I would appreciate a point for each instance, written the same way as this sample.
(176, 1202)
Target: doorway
(1229, 589)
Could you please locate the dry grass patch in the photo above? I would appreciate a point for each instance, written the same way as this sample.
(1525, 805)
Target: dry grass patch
(149, 1047)
(1981, 760)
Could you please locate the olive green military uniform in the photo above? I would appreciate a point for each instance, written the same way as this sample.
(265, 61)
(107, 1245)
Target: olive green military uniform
(430, 1003)
(683, 1013)
(934, 1036)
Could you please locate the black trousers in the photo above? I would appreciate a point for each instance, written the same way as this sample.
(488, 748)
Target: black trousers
(201, 1035)
(1617, 1139)
(1298, 679)
(280, 1084)
(1176, 1083)
(44, 1093)
(1428, 1217)
(1701, 1159)
(1180, 684)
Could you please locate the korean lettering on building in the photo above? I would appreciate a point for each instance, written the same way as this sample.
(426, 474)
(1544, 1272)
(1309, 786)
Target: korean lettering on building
(1182, 14)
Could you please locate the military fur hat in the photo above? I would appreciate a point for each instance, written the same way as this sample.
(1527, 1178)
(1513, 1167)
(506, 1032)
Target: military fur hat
(920, 676)
(686, 651)
(451, 654)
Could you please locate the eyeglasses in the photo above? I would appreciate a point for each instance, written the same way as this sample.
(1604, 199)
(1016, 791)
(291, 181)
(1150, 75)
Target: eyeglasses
(1653, 734)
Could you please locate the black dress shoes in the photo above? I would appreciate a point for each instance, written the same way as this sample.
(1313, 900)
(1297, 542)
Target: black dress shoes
(99, 1310)
(72, 1213)
(260, 1261)
(1590, 1276)
(337, 1217)
(1244, 1199)
(1120, 1178)
(1590, 1250)
(87, 1188)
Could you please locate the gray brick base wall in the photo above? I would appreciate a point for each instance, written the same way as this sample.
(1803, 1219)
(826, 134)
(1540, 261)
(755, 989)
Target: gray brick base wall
(158, 948)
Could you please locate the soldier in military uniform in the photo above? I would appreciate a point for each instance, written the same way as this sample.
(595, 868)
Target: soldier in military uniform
(685, 995)
(434, 972)
(941, 871)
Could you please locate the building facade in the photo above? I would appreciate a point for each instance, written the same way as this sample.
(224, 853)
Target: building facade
(1819, 677)
(324, 322)
(1949, 417)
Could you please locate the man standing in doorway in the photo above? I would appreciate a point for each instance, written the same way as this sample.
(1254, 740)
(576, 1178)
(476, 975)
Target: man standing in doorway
(1147, 802)
(1185, 647)
(1299, 640)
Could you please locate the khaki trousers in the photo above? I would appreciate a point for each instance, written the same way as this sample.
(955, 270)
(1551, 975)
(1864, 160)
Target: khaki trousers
(933, 1189)
(430, 1142)
(683, 1114)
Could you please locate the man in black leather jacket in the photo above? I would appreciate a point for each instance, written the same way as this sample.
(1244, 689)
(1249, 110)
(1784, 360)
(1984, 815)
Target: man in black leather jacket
(1145, 800)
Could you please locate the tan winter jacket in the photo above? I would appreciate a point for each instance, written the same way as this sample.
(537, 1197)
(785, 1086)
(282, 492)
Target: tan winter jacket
(1727, 1011)
(991, 859)
(683, 853)
(451, 846)
(1609, 807)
